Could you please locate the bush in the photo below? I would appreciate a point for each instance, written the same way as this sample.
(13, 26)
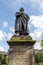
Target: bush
(39, 57)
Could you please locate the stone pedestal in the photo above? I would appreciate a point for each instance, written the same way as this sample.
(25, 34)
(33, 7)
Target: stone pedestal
(21, 50)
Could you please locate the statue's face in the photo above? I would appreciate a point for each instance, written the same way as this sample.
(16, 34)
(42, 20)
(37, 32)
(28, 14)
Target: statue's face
(21, 9)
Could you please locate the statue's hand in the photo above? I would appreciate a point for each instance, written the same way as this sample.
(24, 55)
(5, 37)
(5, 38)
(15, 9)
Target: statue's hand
(17, 13)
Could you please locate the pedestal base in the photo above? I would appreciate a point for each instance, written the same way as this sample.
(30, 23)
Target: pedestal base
(21, 51)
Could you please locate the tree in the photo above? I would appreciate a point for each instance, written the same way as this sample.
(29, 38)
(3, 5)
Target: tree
(0, 58)
(6, 59)
(42, 42)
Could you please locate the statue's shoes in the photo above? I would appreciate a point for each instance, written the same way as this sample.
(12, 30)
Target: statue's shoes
(17, 34)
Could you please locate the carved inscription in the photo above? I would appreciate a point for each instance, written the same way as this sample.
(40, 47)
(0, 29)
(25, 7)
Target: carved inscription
(21, 56)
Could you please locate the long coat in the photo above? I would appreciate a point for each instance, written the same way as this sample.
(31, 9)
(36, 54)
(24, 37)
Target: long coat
(21, 22)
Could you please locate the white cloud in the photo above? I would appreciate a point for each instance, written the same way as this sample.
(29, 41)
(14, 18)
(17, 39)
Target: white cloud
(5, 36)
(38, 4)
(2, 49)
(37, 45)
(36, 35)
(5, 24)
(37, 22)
(2, 36)
(9, 35)
(12, 29)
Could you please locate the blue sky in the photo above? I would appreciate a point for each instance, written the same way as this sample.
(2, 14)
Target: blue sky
(8, 8)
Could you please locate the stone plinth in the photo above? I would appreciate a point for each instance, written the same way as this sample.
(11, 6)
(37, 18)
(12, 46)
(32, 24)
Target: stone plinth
(21, 50)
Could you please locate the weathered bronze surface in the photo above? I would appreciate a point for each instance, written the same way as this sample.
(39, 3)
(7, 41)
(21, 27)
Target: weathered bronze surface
(21, 23)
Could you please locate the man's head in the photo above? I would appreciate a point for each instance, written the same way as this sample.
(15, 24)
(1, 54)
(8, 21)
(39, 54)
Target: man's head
(21, 9)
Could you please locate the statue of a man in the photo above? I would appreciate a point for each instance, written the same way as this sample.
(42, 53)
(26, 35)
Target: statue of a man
(21, 23)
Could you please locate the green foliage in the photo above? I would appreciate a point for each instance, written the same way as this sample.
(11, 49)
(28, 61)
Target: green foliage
(3, 60)
(0, 58)
(39, 57)
(6, 59)
(42, 42)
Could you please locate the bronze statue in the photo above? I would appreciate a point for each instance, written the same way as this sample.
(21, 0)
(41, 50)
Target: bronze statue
(21, 23)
